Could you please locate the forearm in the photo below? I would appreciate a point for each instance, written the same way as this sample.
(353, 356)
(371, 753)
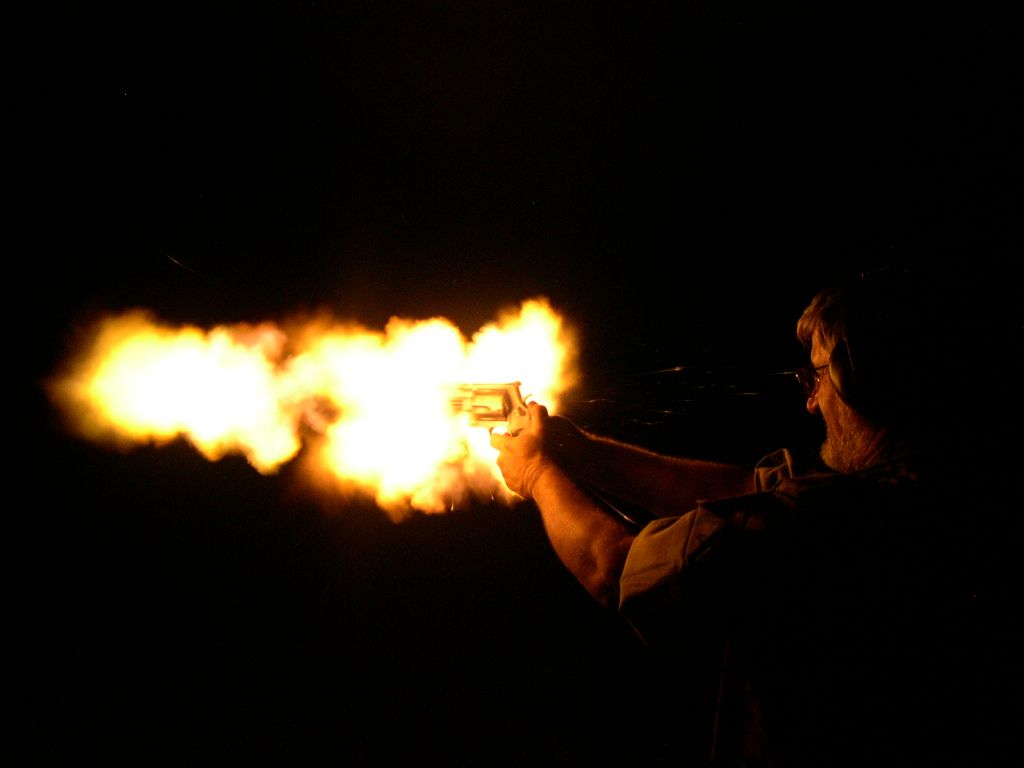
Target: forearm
(591, 543)
(662, 485)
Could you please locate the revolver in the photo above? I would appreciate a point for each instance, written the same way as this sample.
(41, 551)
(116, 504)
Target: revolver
(491, 404)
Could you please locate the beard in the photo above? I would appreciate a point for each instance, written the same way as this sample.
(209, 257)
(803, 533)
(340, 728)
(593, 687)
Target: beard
(842, 449)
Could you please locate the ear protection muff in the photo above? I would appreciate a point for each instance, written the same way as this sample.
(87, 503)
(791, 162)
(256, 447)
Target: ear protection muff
(893, 344)
(841, 372)
(868, 373)
(855, 381)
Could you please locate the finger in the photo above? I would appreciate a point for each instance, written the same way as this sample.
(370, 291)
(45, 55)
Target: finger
(538, 415)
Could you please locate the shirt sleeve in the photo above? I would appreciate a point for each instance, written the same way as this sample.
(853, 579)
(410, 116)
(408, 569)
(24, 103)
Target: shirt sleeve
(652, 585)
(773, 469)
(668, 578)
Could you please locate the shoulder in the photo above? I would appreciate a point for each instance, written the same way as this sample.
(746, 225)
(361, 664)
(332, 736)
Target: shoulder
(802, 514)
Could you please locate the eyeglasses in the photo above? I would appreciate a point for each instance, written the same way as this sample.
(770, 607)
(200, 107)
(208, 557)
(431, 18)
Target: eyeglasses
(809, 378)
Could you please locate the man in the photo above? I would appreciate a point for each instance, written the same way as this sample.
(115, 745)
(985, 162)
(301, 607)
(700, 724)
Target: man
(834, 603)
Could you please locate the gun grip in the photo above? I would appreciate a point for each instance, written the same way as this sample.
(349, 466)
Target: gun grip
(516, 412)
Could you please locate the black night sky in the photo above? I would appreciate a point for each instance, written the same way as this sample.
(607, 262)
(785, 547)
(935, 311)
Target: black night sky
(677, 178)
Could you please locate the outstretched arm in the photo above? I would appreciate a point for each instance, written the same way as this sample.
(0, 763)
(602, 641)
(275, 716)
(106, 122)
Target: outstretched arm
(661, 485)
(589, 541)
(556, 465)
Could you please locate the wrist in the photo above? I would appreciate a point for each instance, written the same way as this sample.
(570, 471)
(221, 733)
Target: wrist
(532, 476)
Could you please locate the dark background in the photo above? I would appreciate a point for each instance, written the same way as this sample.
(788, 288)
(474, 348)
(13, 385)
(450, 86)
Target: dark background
(678, 178)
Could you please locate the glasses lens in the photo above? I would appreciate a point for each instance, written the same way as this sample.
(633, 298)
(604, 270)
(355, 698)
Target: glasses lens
(808, 378)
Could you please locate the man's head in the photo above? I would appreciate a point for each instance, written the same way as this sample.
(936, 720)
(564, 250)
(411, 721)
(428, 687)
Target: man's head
(851, 440)
(870, 344)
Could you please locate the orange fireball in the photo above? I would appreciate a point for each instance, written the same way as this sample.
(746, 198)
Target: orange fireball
(373, 409)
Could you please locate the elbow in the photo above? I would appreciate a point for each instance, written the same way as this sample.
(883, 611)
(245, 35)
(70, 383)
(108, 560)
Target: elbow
(602, 582)
(605, 591)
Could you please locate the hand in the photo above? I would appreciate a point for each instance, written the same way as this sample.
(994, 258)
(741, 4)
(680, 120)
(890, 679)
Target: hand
(522, 458)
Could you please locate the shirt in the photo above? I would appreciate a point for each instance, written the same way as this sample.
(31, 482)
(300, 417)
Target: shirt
(825, 606)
